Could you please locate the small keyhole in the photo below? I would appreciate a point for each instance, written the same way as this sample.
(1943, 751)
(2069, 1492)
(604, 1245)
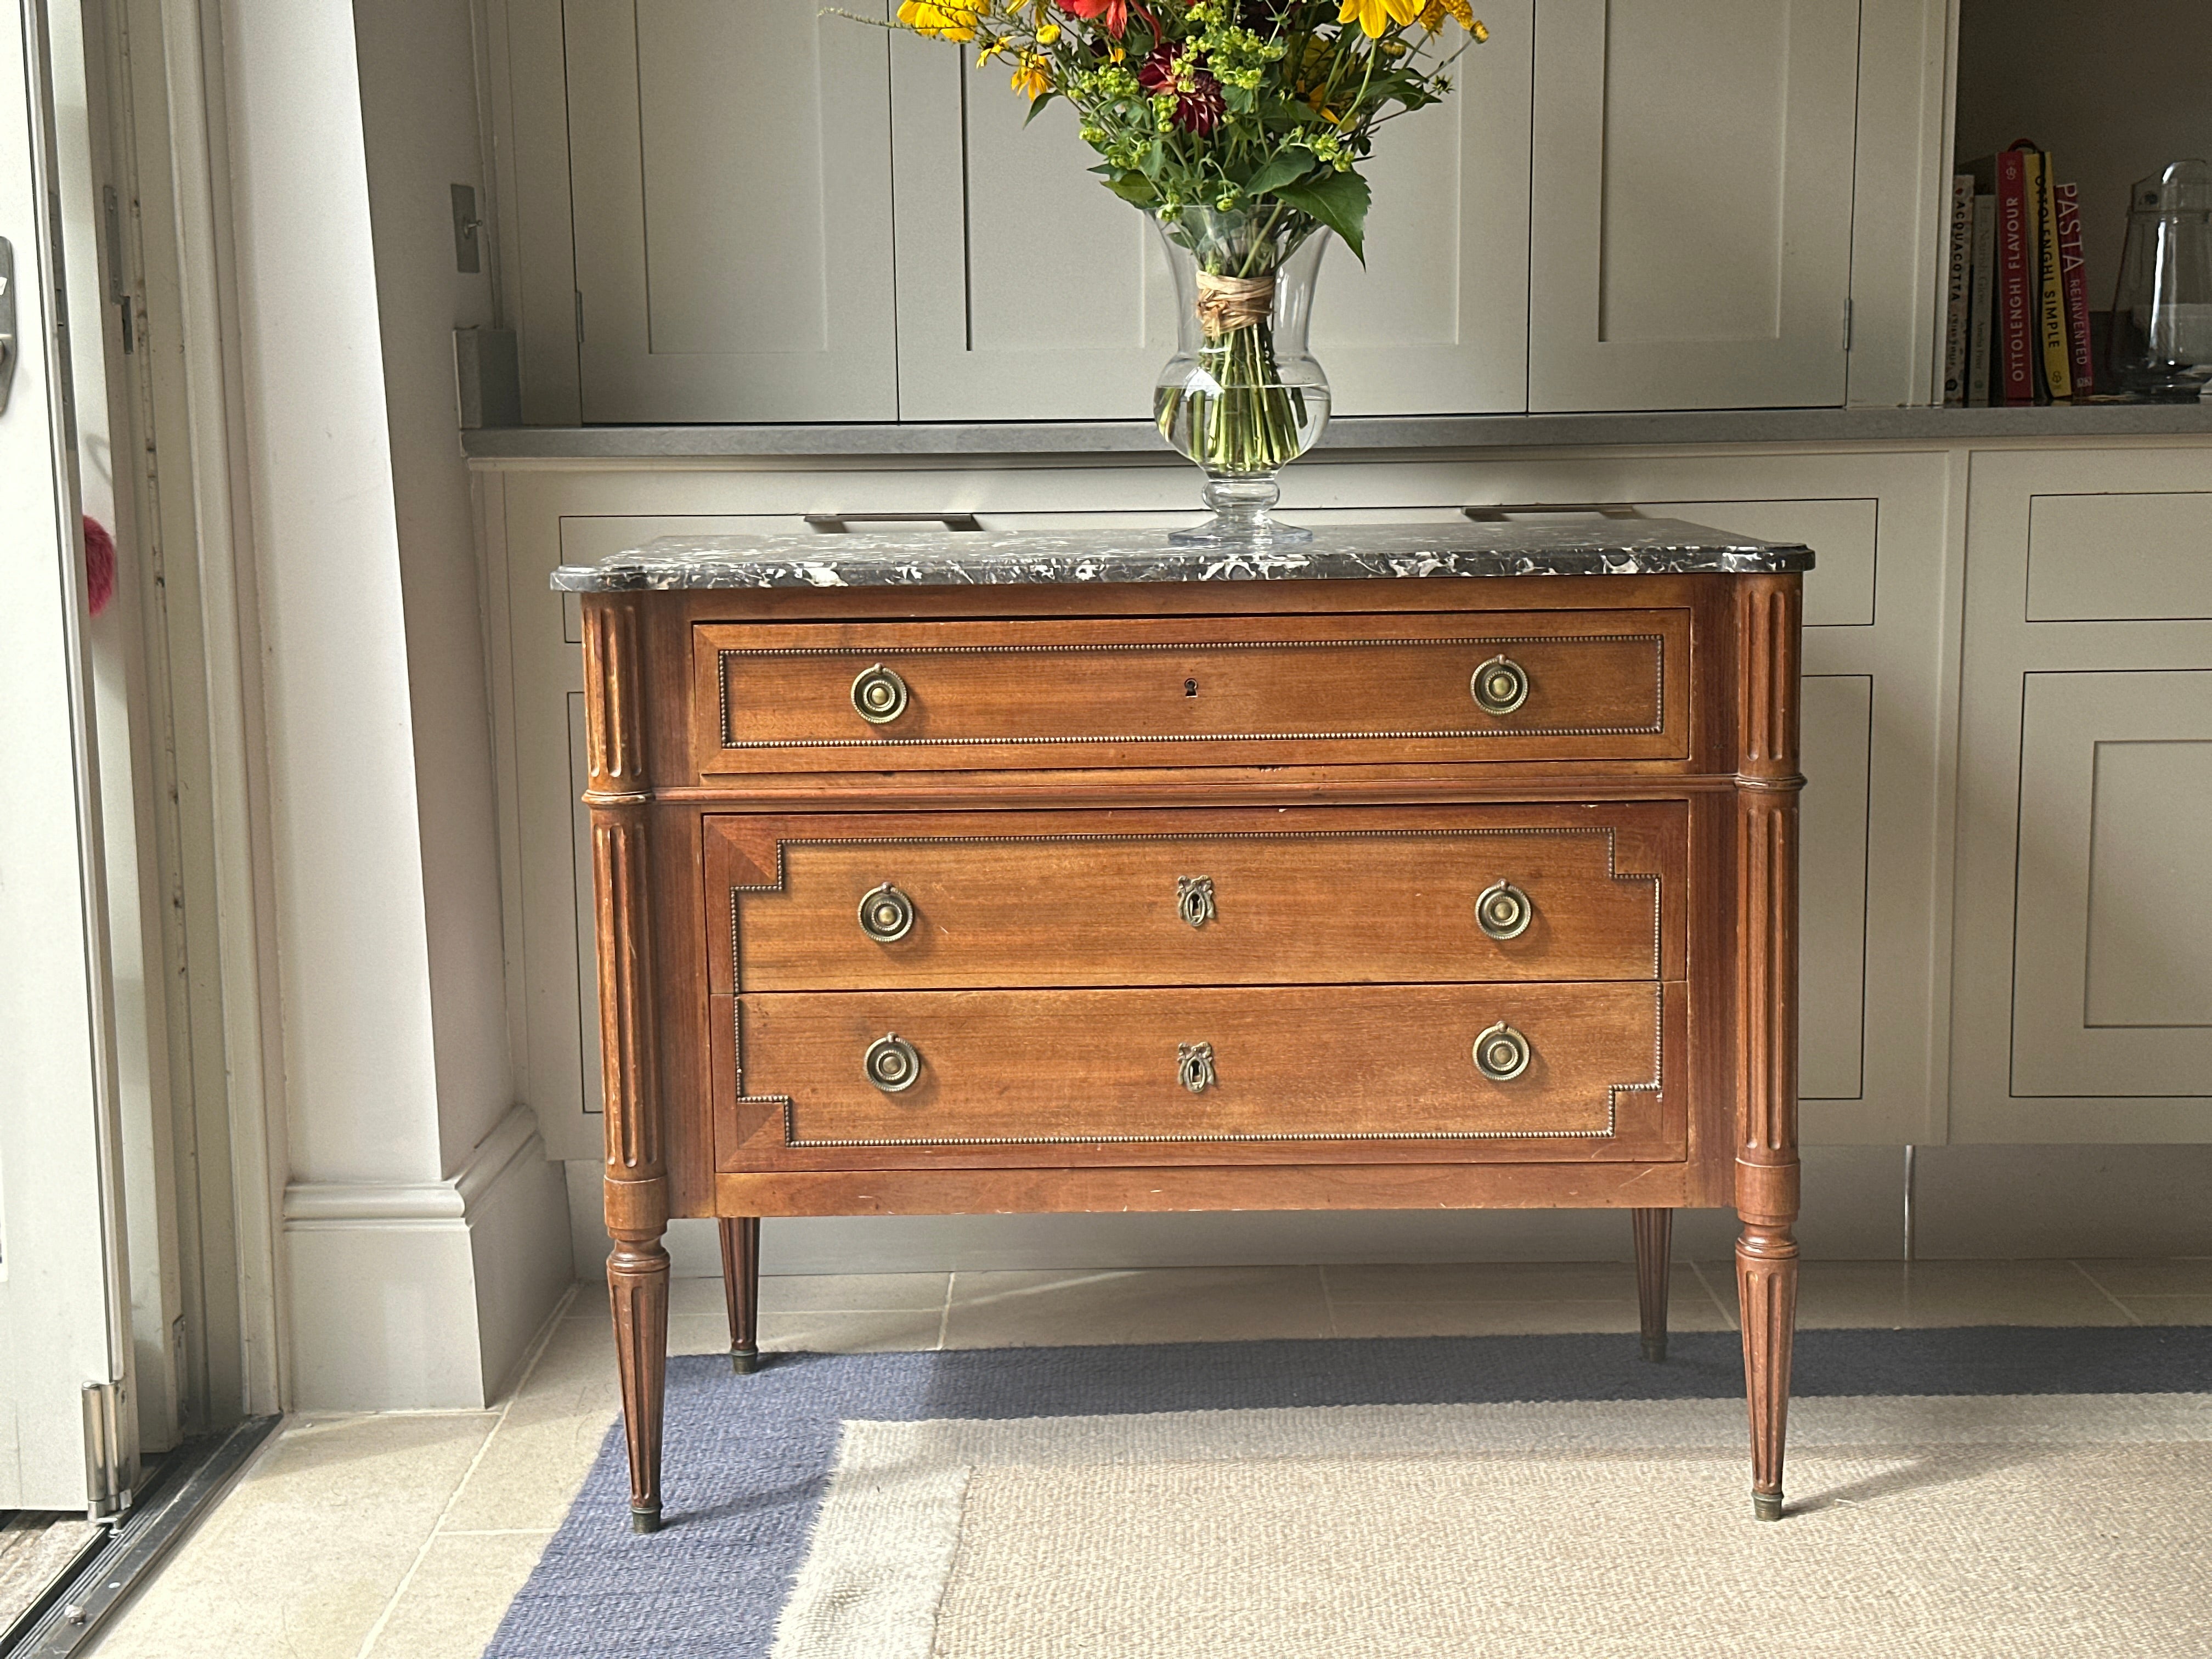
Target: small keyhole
(1190, 688)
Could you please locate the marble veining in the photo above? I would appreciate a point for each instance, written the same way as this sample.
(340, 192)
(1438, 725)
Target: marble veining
(940, 558)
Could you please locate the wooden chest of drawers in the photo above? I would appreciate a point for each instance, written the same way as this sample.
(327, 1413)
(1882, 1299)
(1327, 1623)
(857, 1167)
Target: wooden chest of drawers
(920, 890)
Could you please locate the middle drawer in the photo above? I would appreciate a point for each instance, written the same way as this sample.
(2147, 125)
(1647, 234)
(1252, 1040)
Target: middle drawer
(1246, 896)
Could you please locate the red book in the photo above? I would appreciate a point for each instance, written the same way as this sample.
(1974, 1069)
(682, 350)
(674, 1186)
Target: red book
(2073, 275)
(2016, 336)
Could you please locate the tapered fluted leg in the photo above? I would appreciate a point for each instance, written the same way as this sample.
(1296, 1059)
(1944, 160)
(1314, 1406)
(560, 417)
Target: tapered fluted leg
(1766, 1292)
(1767, 1169)
(1655, 1237)
(741, 1289)
(637, 1285)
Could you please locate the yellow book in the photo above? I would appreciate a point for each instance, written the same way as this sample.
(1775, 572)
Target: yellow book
(2049, 283)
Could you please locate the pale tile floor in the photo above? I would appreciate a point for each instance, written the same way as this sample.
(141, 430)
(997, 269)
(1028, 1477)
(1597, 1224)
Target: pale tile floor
(404, 1536)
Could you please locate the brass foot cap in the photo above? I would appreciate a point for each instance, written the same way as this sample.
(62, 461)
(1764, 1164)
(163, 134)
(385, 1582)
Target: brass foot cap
(645, 1520)
(744, 1361)
(1766, 1506)
(1655, 1349)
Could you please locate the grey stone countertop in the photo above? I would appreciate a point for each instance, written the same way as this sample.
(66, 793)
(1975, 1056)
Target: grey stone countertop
(1355, 434)
(1583, 547)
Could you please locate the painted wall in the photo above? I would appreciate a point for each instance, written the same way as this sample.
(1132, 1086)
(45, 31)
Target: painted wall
(425, 1232)
(2114, 92)
(419, 124)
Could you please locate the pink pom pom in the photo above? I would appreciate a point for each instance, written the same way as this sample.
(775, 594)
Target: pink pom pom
(99, 564)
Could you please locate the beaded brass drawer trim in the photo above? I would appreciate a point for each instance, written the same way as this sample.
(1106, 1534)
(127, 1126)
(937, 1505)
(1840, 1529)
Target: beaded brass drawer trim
(793, 1140)
(1657, 641)
(1612, 870)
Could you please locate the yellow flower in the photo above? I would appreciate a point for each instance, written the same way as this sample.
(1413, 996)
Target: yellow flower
(940, 22)
(1374, 16)
(1047, 35)
(1001, 46)
(1434, 13)
(1476, 28)
(1032, 76)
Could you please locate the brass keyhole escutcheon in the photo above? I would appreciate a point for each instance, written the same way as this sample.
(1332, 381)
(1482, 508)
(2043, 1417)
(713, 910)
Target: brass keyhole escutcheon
(1190, 688)
(886, 914)
(892, 1063)
(1501, 1053)
(1503, 911)
(1500, 686)
(1195, 1067)
(878, 695)
(1194, 899)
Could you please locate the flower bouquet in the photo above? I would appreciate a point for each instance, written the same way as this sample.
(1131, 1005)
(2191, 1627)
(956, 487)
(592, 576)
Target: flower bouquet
(1240, 126)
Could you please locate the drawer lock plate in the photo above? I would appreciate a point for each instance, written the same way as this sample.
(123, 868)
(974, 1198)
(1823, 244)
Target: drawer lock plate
(1194, 899)
(1195, 1067)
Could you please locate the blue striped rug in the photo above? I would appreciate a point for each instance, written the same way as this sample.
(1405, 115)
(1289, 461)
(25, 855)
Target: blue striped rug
(750, 1458)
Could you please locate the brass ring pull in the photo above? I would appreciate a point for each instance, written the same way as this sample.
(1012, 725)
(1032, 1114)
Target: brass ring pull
(1503, 911)
(879, 695)
(1194, 899)
(892, 1064)
(1195, 1067)
(1501, 1053)
(886, 914)
(1500, 686)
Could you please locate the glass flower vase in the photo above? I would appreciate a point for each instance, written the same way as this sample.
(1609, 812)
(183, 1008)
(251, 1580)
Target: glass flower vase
(1242, 398)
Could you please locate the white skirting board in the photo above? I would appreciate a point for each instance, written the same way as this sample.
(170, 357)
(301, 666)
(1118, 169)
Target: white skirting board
(424, 1296)
(1970, 1201)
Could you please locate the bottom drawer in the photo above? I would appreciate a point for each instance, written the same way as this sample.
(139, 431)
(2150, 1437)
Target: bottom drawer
(857, 1079)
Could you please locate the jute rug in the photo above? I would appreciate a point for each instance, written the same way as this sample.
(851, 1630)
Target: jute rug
(1954, 1494)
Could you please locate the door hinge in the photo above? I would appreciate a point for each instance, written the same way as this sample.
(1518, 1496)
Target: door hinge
(580, 316)
(1847, 325)
(109, 1471)
(118, 293)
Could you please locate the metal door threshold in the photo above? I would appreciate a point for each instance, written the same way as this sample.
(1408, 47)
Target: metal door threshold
(71, 1611)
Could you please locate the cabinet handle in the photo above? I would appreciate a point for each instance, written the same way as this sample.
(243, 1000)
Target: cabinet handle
(1194, 899)
(879, 695)
(892, 1063)
(886, 914)
(1506, 509)
(838, 523)
(1503, 911)
(1195, 1067)
(1501, 1053)
(1500, 686)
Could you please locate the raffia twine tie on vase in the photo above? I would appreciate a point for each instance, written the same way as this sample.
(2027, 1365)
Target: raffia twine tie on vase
(1226, 304)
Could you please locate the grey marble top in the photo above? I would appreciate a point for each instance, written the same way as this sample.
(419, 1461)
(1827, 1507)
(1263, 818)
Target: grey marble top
(1563, 547)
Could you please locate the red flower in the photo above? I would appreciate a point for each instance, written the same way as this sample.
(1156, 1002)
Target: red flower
(1199, 108)
(1115, 13)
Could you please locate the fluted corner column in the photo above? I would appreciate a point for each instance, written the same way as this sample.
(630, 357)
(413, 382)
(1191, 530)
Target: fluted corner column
(1766, 1170)
(619, 796)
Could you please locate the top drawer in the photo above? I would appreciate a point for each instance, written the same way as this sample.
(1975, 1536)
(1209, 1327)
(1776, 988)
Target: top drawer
(1192, 690)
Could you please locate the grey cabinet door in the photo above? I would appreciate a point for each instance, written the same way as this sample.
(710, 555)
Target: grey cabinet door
(730, 164)
(1027, 292)
(2082, 983)
(1691, 244)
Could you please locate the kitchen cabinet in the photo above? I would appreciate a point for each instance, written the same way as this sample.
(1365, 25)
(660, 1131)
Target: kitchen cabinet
(730, 167)
(2083, 978)
(1027, 292)
(764, 213)
(1690, 246)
